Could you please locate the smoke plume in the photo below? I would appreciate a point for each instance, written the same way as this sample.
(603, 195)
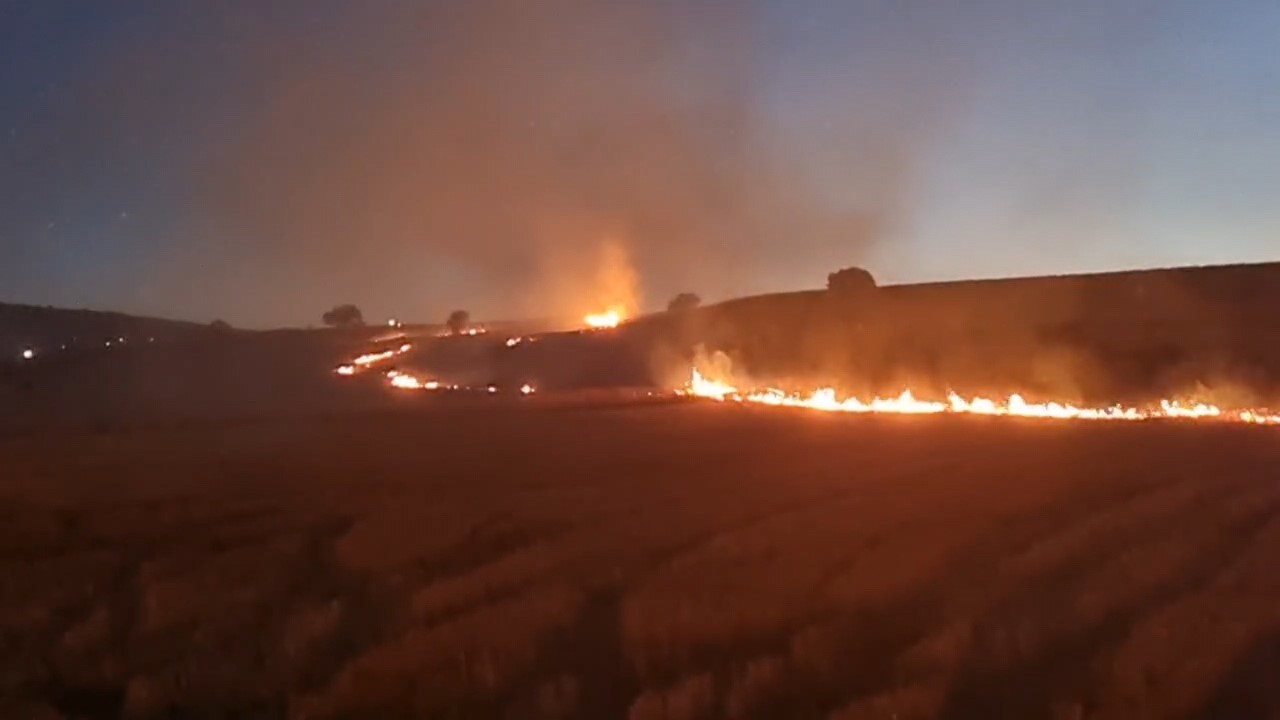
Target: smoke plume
(501, 145)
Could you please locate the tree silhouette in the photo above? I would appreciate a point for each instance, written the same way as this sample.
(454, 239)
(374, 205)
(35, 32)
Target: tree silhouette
(850, 281)
(458, 321)
(684, 302)
(343, 316)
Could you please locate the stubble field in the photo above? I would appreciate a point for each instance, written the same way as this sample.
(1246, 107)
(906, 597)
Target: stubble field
(531, 559)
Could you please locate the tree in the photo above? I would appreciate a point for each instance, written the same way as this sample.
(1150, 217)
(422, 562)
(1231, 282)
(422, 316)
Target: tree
(221, 326)
(850, 281)
(683, 302)
(458, 321)
(343, 316)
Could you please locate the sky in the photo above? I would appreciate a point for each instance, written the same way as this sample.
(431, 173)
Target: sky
(262, 162)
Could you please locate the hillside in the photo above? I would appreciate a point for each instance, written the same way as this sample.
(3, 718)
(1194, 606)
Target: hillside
(1086, 335)
(1101, 338)
(47, 329)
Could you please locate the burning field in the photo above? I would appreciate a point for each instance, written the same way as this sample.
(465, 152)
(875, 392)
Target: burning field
(588, 523)
(825, 399)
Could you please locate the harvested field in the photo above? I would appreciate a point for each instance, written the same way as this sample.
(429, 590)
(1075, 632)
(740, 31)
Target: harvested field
(664, 560)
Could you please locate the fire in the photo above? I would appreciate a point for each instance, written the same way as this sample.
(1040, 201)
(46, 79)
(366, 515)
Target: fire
(1014, 406)
(409, 382)
(369, 359)
(607, 319)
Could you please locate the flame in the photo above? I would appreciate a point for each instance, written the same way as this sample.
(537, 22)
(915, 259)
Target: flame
(409, 382)
(370, 359)
(607, 319)
(1015, 405)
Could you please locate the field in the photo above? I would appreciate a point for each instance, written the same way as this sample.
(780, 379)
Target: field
(544, 559)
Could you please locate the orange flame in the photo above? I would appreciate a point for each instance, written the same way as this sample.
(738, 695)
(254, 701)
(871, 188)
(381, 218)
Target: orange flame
(1015, 406)
(608, 319)
(409, 382)
(370, 359)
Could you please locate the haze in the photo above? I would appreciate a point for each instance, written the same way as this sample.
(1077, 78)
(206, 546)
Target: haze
(262, 162)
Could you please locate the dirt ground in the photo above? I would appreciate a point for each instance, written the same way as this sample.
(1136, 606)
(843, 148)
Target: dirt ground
(661, 560)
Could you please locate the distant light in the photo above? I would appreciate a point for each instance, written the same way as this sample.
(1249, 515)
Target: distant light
(28, 354)
(406, 347)
(121, 340)
(108, 343)
(527, 389)
(151, 339)
(346, 370)
(512, 342)
(492, 389)
(392, 322)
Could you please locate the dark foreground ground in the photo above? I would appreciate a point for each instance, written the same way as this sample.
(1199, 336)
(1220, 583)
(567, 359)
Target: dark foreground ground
(664, 560)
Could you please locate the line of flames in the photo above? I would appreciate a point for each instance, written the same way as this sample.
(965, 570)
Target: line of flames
(407, 381)
(370, 359)
(825, 399)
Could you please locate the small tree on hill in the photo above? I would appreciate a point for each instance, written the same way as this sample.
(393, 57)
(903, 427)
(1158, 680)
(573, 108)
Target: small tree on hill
(851, 281)
(458, 321)
(221, 326)
(683, 302)
(343, 316)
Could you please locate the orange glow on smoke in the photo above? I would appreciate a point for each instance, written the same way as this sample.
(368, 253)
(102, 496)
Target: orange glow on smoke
(825, 399)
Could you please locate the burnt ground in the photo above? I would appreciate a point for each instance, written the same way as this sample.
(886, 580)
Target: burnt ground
(544, 559)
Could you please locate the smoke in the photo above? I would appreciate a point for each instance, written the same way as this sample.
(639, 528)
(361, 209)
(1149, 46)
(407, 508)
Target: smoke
(415, 157)
(486, 151)
(617, 285)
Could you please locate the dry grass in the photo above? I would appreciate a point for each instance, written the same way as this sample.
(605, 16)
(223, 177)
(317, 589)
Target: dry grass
(680, 561)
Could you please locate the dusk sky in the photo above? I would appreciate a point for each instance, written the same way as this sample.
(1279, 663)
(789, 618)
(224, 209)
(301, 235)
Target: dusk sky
(261, 161)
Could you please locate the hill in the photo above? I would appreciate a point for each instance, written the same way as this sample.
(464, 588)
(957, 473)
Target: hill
(48, 329)
(1112, 337)
(1100, 335)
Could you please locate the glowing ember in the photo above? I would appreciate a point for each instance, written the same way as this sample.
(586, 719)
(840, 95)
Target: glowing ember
(607, 319)
(1015, 406)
